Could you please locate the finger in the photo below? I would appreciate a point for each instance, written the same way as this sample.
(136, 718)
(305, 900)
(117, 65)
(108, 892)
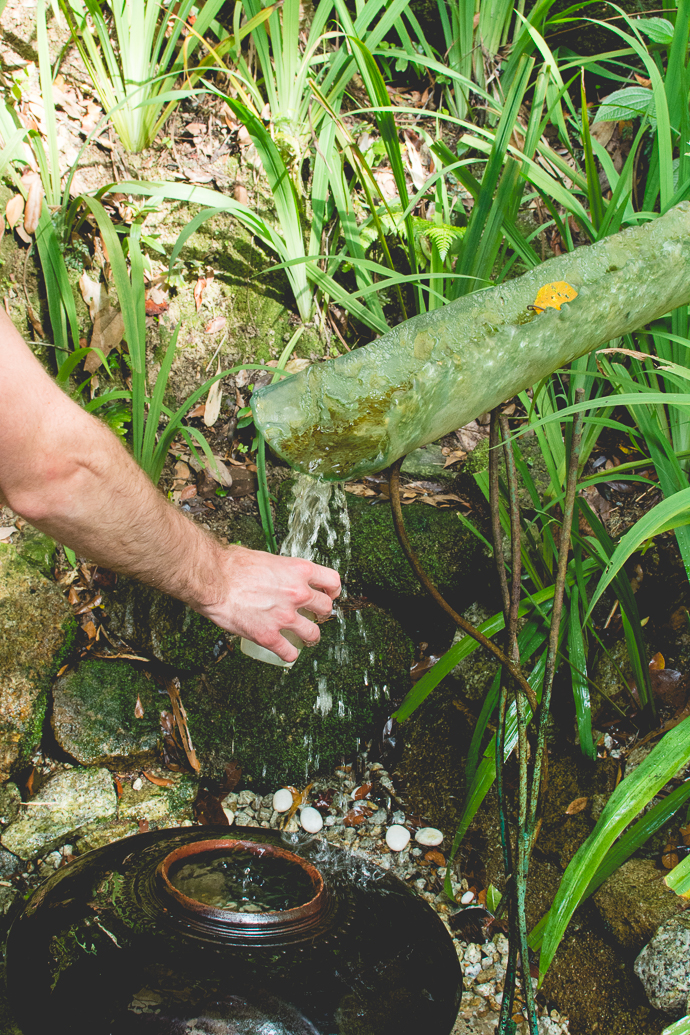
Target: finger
(326, 579)
(320, 604)
(306, 630)
(285, 650)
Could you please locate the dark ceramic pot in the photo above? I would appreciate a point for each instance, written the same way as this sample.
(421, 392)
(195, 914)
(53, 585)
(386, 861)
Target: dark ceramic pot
(229, 932)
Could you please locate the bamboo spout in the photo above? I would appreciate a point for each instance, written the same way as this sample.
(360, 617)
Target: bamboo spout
(434, 373)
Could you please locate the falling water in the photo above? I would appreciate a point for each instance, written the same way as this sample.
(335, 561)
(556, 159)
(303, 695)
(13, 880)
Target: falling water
(319, 506)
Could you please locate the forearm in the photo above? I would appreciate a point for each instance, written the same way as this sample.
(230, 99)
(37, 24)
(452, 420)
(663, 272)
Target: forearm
(66, 473)
(98, 501)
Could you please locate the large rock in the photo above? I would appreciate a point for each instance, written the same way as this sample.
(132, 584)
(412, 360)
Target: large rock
(663, 966)
(634, 902)
(66, 802)
(450, 553)
(284, 726)
(94, 717)
(36, 630)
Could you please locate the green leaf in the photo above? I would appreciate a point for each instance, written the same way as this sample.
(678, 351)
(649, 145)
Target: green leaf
(628, 103)
(678, 879)
(681, 1027)
(659, 30)
(631, 796)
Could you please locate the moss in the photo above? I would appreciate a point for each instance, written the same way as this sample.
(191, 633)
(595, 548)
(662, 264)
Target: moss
(94, 718)
(38, 549)
(285, 726)
(36, 624)
(449, 552)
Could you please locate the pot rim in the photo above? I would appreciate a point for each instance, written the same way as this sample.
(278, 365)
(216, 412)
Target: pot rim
(296, 918)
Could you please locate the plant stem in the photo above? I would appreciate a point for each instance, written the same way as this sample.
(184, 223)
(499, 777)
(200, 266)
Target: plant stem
(462, 623)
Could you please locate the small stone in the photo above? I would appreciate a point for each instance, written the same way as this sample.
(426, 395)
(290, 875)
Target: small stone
(467, 898)
(397, 837)
(398, 817)
(282, 800)
(311, 820)
(246, 797)
(330, 821)
(429, 836)
(292, 826)
(137, 784)
(230, 816)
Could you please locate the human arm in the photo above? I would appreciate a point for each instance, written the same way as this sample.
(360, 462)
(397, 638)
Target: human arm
(67, 474)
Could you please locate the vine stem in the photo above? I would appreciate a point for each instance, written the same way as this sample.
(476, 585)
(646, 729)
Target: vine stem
(462, 623)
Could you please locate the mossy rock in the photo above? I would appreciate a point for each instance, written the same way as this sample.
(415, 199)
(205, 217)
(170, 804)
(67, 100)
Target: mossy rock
(157, 625)
(94, 718)
(634, 902)
(285, 726)
(450, 553)
(37, 629)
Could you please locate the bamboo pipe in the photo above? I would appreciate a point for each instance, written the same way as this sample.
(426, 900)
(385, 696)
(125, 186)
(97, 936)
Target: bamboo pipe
(357, 414)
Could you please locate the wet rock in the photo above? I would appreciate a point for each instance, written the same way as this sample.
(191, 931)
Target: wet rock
(163, 628)
(36, 629)
(9, 864)
(634, 902)
(159, 806)
(663, 966)
(66, 802)
(449, 552)
(283, 726)
(10, 803)
(428, 463)
(94, 718)
(8, 897)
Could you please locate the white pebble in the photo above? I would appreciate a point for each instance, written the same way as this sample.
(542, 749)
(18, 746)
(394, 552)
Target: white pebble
(467, 898)
(230, 816)
(282, 800)
(397, 838)
(311, 820)
(429, 836)
(138, 784)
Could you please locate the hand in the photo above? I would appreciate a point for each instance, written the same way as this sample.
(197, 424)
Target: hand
(261, 593)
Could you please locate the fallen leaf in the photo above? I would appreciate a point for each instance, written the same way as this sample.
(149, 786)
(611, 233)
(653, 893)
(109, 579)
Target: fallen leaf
(215, 325)
(14, 210)
(188, 493)
(73, 595)
(213, 402)
(159, 781)
(657, 664)
(35, 321)
(576, 806)
(414, 163)
(357, 814)
(138, 709)
(553, 296)
(118, 788)
(173, 688)
(7, 531)
(240, 194)
(669, 856)
(155, 308)
(643, 81)
(435, 858)
(63, 668)
(143, 826)
(363, 791)
(108, 325)
(90, 630)
(34, 203)
(386, 183)
(199, 288)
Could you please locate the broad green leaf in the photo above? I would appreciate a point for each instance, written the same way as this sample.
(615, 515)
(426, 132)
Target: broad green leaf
(659, 30)
(681, 1027)
(628, 103)
(629, 798)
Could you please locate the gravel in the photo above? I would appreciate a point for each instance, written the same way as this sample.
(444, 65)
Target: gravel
(484, 965)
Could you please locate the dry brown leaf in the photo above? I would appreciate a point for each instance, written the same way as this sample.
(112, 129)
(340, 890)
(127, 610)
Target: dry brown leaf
(108, 325)
(173, 688)
(199, 288)
(362, 791)
(657, 664)
(213, 402)
(34, 202)
(14, 210)
(158, 781)
(215, 325)
(414, 163)
(188, 493)
(435, 857)
(138, 709)
(90, 630)
(386, 183)
(35, 321)
(241, 195)
(577, 805)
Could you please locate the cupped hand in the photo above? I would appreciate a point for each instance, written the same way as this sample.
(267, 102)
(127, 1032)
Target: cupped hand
(261, 593)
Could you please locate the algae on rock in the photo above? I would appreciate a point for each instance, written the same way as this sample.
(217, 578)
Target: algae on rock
(66, 802)
(36, 629)
(94, 718)
(284, 726)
